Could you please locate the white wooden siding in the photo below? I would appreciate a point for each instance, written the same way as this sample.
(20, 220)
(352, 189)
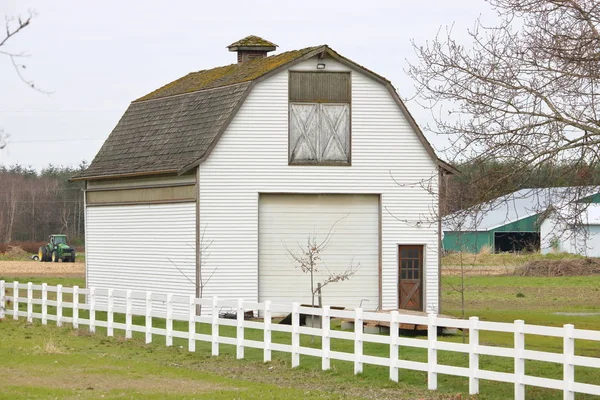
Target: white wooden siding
(135, 247)
(252, 158)
(352, 222)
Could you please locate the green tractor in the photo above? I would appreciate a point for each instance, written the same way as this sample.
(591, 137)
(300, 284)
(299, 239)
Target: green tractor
(57, 249)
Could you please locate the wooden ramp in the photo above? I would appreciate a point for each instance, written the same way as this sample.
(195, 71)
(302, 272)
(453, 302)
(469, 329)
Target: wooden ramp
(371, 326)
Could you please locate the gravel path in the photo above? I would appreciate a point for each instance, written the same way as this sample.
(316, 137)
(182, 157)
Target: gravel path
(478, 270)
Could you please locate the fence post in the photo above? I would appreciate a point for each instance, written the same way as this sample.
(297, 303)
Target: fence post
(110, 315)
(92, 304)
(240, 330)
(44, 304)
(29, 302)
(325, 340)
(169, 338)
(75, 307)
(473, 355)
(128, 314)
(148, 317)
(295, 335)
(59, 306)
(432, 352)
(358, 341)
(519, 360)
(192, 324)
(215, 327)
(267, 332)
(15, 300)
(568, 366)
(394, 328)
(2, 298)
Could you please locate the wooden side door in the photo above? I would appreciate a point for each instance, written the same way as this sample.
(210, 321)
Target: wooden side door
(410, 277)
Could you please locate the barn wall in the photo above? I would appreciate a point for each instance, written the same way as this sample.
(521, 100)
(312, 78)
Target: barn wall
(252, 158)
(474, 241)
(142, 247)
(529, 224)
(469, 242)
(555, 238)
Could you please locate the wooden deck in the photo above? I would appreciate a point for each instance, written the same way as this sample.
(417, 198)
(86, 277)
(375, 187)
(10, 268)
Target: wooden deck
(382, 326)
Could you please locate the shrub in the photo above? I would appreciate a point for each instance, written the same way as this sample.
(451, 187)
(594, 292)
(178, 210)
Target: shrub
(27, 247)
(560, 267)
(15, 252)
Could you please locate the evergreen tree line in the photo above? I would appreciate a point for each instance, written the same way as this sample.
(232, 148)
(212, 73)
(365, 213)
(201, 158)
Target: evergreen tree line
(481, 181)
(35, 204)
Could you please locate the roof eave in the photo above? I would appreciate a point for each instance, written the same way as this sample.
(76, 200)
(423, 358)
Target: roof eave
(449, 169)
(126, 175)
(397, 99)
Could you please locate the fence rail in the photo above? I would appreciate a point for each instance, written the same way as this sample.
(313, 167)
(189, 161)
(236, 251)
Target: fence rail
(104, 300)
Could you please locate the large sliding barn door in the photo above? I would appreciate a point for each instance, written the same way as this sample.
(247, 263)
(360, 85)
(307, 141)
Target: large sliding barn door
(285, 223)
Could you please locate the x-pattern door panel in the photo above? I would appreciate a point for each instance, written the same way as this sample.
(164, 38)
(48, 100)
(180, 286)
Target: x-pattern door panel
(319, 132)
(410, 271)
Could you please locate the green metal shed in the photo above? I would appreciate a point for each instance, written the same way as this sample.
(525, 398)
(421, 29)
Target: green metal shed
(508, 223)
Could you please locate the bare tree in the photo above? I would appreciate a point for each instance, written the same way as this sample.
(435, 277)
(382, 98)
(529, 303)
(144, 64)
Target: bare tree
(202, 279)
(308, 259)
(13, 26)
(524, 91)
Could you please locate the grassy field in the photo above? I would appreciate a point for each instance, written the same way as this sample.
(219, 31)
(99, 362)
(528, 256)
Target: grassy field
(119, 369)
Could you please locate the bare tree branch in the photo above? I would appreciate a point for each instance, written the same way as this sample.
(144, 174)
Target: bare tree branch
(308, 259)
(523, 91)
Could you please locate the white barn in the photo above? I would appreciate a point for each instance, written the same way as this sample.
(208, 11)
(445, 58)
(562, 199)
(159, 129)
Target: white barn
(583, 237)
(206, 182)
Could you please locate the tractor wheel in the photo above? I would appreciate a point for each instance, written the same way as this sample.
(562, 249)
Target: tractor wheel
(42, 254)
(54, 256)
(45, 255)
(72, 257)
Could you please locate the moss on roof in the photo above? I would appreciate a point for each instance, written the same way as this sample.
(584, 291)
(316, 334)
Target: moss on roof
(227, 75)
(252, 41)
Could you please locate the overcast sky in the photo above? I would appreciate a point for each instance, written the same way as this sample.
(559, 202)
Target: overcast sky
(97, 56)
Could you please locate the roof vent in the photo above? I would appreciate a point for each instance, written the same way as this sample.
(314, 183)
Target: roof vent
(251, 47)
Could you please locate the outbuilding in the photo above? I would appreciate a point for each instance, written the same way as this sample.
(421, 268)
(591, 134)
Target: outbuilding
(510, 223)
(576, 233)
(208, 183)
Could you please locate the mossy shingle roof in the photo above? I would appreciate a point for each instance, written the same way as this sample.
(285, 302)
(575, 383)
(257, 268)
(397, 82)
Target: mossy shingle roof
(173, 128)
(176, 125)
(167, 134)
(227, 75)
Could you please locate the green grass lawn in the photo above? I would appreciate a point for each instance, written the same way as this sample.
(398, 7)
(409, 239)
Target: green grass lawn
(67, 363)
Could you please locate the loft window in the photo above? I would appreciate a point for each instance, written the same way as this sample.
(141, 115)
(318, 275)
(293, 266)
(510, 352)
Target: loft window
(319, 115)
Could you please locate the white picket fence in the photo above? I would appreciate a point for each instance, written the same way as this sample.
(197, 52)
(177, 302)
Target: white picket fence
(141, 304)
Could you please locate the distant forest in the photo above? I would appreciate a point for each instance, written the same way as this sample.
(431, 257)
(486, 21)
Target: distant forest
(34, 205)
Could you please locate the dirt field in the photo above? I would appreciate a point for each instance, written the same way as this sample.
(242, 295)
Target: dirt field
(39, 269)
(478, 270)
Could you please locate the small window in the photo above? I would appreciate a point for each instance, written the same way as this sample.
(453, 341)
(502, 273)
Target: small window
(319, 118)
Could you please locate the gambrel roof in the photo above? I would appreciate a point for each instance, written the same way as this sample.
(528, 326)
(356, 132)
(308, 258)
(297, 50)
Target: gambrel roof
(174, 128)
